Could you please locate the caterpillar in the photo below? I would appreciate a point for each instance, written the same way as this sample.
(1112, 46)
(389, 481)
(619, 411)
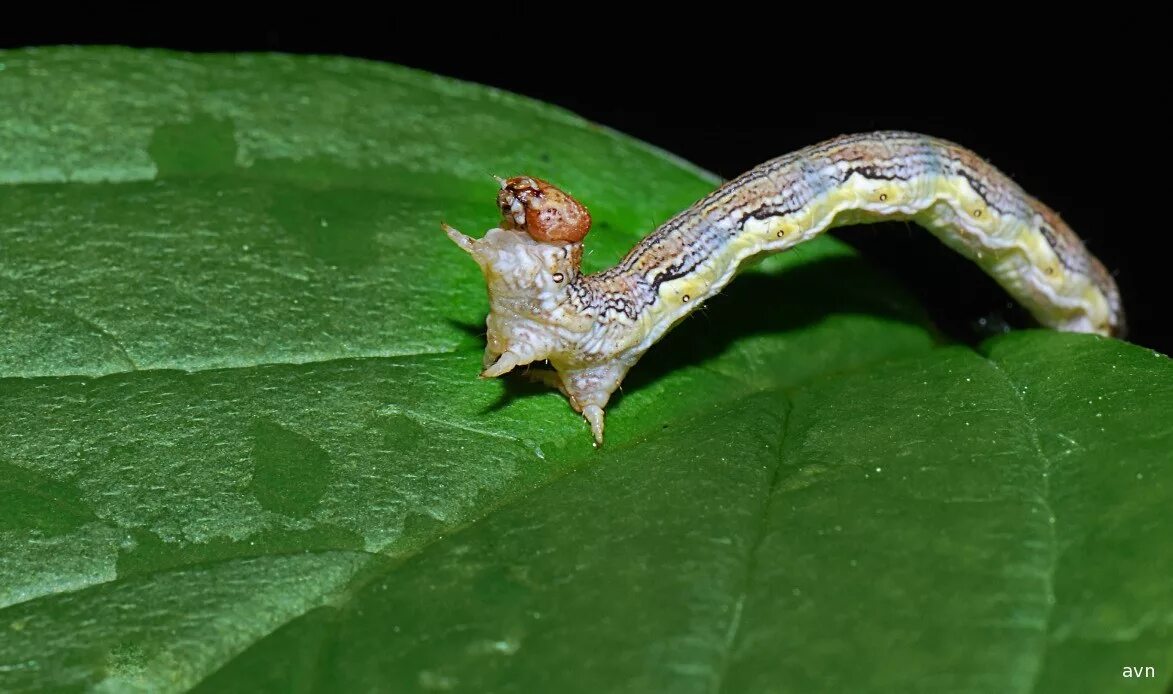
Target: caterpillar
(593, 328)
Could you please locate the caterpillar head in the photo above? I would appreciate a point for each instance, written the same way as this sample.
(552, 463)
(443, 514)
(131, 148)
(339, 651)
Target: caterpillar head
(541, 210)
(529, 264)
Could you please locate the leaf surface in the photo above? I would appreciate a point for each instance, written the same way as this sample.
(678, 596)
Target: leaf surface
(246, 448)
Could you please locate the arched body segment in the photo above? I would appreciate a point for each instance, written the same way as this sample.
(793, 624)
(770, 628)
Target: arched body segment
(593, 328)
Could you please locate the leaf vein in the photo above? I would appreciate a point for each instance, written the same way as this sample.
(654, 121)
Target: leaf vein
(1051, 539)
(212, 366)
(751, 558)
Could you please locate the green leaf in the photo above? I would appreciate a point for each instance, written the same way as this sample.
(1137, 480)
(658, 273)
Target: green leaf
(246, 448)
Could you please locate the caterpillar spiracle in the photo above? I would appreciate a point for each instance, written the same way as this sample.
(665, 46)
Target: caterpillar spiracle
(593, 328)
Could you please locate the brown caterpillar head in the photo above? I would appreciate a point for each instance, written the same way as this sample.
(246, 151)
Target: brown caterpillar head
(541, 210)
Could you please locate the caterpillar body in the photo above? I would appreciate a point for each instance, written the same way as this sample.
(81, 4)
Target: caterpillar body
(593, 328)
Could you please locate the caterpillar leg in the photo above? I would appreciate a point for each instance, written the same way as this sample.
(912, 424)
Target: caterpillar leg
(594, 415)
(589, 389)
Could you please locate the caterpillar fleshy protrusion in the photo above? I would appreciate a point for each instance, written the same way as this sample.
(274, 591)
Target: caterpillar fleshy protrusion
(593, 328)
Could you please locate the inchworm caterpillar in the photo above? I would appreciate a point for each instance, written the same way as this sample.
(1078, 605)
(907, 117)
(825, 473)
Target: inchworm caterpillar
(593, 328)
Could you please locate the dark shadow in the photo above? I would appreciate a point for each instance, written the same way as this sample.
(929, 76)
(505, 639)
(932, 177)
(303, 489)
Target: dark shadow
(758, 303)
(964, 303)
(476, 330)
(520, 384)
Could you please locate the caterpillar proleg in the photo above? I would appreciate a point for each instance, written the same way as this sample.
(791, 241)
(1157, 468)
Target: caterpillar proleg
(593, 328)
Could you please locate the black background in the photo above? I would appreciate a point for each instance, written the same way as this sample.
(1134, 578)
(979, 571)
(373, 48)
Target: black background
(1077, 127)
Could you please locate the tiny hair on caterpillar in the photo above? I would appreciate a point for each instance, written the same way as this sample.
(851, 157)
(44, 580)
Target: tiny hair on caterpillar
(592, 329)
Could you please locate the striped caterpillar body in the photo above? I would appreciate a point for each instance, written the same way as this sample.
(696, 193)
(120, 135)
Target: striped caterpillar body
(593, 328)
